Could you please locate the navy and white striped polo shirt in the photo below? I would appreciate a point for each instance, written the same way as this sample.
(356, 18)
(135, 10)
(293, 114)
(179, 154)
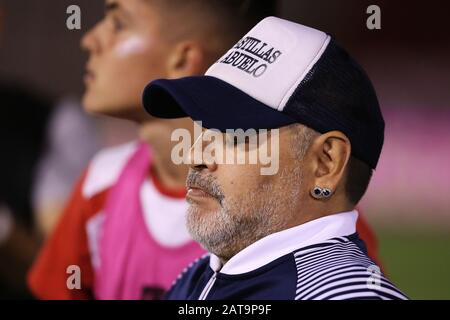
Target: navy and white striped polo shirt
(321, 259)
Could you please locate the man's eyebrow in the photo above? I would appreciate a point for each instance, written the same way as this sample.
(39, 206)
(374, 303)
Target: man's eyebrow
(111, 6)
(114, 6)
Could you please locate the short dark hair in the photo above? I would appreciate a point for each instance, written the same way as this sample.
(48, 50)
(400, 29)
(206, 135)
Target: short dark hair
(228, 19)
(240, 15)
(357, 180)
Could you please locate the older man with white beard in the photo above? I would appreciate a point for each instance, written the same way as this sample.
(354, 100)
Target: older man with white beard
(289, 235)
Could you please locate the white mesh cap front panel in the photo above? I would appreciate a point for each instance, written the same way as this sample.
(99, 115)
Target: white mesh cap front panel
(271, 60)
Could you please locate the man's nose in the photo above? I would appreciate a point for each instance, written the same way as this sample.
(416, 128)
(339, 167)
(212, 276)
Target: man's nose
(196, 157)
(90, 41)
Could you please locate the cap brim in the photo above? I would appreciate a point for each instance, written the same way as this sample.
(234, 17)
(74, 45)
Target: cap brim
(216, 103)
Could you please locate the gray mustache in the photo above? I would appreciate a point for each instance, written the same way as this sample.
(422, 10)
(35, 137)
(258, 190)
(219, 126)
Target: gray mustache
(206, 183)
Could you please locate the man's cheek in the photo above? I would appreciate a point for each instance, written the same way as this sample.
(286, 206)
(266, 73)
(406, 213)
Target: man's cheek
(235, 184)
(131, 46)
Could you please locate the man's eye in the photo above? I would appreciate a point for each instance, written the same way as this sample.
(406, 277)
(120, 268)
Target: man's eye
(117, 24)
(234, 140)
(231, 140)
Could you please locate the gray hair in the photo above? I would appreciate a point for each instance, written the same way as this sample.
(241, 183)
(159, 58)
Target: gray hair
(302, 137)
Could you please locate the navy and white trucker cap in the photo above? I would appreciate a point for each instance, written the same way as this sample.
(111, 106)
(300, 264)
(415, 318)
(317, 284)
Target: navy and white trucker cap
(279, 73)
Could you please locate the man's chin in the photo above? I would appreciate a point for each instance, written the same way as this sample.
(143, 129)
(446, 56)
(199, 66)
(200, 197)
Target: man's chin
(97, 107)
(203, 210)
(204, 224)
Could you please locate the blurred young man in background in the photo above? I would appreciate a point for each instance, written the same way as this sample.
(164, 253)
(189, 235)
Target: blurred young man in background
(124, 224)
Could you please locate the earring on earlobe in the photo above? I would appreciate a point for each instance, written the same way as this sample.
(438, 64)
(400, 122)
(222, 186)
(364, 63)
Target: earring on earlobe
(326, 193)
(317, 192)
(320, 193)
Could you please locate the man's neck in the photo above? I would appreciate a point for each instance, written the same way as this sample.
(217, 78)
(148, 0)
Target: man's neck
(157, 134)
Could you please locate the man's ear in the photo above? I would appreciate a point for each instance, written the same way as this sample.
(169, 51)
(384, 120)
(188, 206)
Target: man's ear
(330, 154)
(187, 58)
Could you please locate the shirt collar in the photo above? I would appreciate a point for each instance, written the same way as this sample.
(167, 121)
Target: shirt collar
(284, 242)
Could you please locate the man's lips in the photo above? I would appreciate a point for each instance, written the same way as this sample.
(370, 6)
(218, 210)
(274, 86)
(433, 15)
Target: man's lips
(89, 76)
(202, 190)
(194, 192)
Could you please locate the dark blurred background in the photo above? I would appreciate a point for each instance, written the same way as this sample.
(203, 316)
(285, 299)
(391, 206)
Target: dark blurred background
(408, 61)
